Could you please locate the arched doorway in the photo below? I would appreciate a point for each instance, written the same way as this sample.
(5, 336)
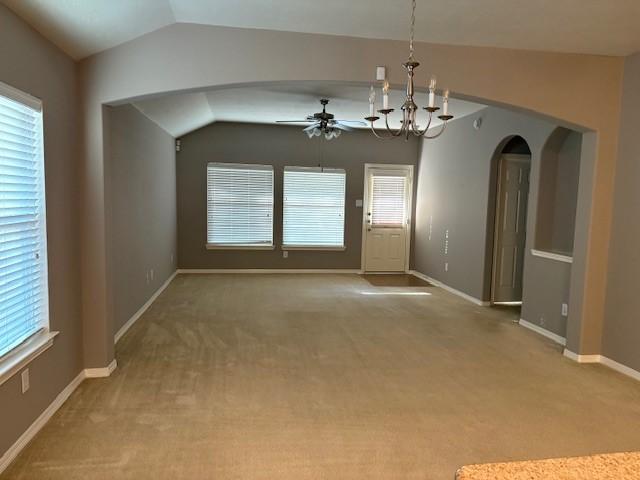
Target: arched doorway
(512, 193)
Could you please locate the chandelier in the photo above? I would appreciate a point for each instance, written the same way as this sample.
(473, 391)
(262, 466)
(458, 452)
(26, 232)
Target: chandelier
(409, 108)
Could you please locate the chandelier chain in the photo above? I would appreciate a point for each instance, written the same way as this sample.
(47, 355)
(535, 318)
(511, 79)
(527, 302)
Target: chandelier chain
(412, 29)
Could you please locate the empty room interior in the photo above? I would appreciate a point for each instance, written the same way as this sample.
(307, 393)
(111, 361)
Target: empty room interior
(314, 240)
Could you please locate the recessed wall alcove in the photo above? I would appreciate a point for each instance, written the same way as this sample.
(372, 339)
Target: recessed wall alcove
(558, 193)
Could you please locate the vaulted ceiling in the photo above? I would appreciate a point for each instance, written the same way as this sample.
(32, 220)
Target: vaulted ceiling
(181, 113)
(607, 27)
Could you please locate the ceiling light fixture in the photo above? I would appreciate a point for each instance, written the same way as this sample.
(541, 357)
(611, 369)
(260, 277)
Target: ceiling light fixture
(409, 107)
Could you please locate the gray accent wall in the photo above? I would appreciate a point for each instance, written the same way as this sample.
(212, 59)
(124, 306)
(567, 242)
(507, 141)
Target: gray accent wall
(621, 335)
(457, 176)
(279, 146)
(144, 209)
(32, 64)
(558, 192)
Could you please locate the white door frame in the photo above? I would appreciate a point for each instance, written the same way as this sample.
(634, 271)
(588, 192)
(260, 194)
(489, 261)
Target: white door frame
(365, 204)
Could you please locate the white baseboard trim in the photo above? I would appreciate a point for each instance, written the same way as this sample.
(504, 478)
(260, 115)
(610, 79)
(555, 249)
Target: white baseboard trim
(40, 422)
(101, 372)
(543, 331)
(267, 270)
(143, 309)
(449, 289)
(606, 361)
(45, 416)
(618, 367)
(581, 358)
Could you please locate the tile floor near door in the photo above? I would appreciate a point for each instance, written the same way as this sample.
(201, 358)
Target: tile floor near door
(327, 377)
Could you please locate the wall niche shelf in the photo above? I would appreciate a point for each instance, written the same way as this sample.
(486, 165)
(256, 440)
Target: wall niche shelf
(552, 256)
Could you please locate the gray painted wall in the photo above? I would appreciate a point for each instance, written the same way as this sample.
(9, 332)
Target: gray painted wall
(279, 146)
(621, 335)
(558, 192)
(456, 192)
(144, 209)
(31, 64)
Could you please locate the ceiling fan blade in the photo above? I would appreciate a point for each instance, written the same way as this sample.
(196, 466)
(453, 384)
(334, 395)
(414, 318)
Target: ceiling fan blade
(293, 121)
(341, 126)
(359, 122)
(311, 127)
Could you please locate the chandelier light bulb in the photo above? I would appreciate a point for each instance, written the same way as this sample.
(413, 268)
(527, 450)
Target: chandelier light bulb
(385, 95)
(445, 102)
(372, 101)
(432, 91)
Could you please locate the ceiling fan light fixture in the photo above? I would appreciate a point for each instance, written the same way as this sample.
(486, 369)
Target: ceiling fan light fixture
(325, 123)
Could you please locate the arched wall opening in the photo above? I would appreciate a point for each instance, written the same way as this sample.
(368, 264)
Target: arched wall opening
(507, 218)
(193, 57)
(558, 192)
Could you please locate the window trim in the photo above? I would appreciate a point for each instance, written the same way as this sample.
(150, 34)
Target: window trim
(317, 248)
(37, 343)
(226, 246)
(243, 246)
(22, 355)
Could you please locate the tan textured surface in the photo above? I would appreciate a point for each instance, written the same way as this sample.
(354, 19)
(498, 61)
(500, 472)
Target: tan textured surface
(304, 377)
(614, 466)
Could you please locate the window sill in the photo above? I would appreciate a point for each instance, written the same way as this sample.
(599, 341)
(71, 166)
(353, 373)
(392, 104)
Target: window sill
(213, 246)
(24, 354)
(314, 247)
(552, 256)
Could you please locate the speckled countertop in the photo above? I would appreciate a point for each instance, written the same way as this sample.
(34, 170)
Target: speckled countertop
(614, 466)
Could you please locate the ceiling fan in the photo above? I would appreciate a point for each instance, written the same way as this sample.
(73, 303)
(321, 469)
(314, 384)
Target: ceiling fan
(325, 123)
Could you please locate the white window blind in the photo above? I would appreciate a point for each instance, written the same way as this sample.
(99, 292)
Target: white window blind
(388, 200)
(239, 205)
(23, 259)
(313, 207)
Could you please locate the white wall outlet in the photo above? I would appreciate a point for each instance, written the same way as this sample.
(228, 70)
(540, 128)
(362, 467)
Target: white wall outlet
(542, 321)
(285, 254)
(565, 310)
(446, 266)
(381, 73)
(25, 380)
(359, 203)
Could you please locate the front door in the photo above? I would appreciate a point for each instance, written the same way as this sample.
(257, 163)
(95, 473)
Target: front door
(511, 224)
(387, 218)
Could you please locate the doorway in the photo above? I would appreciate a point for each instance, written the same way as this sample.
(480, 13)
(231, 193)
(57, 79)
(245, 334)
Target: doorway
(510, 229)
(386, 225)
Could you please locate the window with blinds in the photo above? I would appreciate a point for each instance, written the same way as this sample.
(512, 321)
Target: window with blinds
(239, 205)
(388, 201)
(313, 207)
(23, 249)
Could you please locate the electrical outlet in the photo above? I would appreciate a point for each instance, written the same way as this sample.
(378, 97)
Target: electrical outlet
(285, 254)
(565, 310)
(542, 321)
(25, 380)
(446, 266)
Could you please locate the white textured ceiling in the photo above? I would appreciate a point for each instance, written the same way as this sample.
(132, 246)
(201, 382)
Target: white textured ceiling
(608, 27)
(181, 113)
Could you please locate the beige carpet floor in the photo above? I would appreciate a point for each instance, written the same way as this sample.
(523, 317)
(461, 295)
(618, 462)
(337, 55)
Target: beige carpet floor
(327, 377)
